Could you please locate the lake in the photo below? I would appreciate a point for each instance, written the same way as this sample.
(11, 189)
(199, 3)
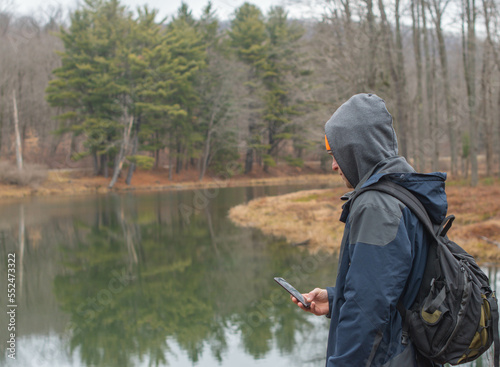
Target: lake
(156, 279)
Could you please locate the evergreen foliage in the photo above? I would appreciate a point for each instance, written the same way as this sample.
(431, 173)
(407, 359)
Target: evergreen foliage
(174, 84)
(269, 46)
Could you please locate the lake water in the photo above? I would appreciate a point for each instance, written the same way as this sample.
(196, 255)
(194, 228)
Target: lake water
(156, 279)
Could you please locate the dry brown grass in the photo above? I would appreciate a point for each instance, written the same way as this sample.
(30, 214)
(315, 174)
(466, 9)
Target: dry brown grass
(305, 215)
(478, 215)
(31, 175)
(313, 215)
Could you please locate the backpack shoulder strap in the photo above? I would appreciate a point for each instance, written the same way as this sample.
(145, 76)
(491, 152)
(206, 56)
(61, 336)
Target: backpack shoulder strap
(407, 198)
(496, 340)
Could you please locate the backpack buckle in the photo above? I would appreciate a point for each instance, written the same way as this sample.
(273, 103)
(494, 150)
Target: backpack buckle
(404, 338)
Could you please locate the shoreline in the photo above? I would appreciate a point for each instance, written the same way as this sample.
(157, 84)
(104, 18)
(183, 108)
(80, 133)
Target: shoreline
(65, 183)
(311, 218)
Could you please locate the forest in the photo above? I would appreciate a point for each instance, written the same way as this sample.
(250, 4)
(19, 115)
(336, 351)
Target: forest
(114, 88)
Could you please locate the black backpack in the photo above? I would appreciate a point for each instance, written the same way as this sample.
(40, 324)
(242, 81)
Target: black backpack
(454, 318)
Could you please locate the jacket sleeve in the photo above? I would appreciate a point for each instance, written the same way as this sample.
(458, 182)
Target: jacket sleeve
(380, 256)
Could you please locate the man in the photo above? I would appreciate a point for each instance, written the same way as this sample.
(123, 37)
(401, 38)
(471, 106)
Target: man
(383, 251)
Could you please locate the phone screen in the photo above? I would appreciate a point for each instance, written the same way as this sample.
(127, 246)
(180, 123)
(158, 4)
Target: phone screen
(290, 289)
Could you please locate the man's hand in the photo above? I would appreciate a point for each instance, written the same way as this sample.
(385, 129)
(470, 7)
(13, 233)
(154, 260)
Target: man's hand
(319, 301)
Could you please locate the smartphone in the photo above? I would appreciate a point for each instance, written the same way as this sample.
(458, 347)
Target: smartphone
(290, 289)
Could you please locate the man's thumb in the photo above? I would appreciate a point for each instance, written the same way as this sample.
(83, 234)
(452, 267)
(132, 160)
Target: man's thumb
(310, 296)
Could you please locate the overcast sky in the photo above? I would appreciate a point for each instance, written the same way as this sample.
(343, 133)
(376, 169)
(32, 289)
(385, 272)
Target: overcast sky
(224, 8)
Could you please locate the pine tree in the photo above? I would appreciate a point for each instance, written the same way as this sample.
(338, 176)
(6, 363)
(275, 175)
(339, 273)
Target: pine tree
(188, 52)
(89, 84)
(167, 93)
(277, 74)
(270, 48)
(145, 35)
(248, 38)
(217, 86)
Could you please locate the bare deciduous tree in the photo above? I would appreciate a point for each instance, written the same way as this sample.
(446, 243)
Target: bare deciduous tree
(469, 60)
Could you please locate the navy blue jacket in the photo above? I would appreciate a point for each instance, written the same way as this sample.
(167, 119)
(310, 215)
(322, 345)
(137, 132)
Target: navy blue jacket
(382, 259)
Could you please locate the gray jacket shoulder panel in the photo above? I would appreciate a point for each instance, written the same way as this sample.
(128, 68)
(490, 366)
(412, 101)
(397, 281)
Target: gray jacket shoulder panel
(374, 218)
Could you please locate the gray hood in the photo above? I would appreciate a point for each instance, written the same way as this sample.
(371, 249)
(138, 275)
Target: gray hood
(360, 134)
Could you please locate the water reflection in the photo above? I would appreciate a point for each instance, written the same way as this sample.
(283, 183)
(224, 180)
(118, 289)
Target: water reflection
(127, 280)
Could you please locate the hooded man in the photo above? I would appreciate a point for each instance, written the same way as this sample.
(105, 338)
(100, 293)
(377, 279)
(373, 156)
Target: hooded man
(384, 248)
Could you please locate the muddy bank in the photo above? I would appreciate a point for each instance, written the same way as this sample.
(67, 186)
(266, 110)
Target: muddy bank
(310, 218)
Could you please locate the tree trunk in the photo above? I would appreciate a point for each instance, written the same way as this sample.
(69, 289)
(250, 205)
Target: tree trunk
(248, 160)
(104, 165)
(54, 144)
(420, 153)
(469, 56)
(72, 145)
(178, 160)
(131, 168)
(488, 9)
(436, 136)
(185, 158)
(372, 72)
(347, 21)
(135, 144)
(401, 108)
(156, 152)
(429, 84)
(250, 149)
(452, 136)
(95, 160)
(486, 107)
(397, 78)
(19, 155)
(120, 158)
(206, 150)
(497, 113)
(170, 158)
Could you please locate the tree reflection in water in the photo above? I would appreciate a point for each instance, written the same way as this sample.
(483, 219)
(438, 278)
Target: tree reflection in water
(141, 278)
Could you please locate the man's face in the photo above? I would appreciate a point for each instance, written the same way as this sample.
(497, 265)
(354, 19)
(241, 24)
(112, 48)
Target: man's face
(336, 167)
